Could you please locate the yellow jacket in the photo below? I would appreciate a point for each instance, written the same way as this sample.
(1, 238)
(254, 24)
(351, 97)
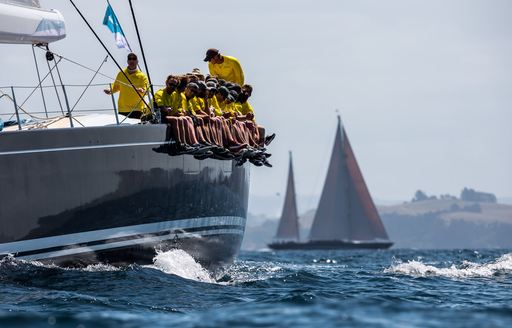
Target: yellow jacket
(238, 108)
(193, 105)
(229, 108)
(229, 70)
(128, 98)
(246, 108)
(213, 102)
(176, 100)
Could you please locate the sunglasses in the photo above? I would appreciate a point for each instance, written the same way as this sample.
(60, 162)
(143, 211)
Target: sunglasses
(132, 58)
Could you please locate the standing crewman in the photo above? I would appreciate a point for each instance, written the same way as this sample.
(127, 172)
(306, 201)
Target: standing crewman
(224, 67)
(130, 102)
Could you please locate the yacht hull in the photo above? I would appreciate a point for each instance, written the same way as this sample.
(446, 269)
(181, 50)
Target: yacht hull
(77, 196)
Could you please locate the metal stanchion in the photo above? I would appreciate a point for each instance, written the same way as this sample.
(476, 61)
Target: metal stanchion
(114, 103)
(16, 108)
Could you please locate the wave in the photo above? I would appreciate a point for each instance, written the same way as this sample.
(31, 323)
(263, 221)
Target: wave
(501, 265)
(9, 262)
(180, 263)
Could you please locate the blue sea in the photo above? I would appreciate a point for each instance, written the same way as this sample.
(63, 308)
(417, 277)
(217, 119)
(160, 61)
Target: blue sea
(395, 288)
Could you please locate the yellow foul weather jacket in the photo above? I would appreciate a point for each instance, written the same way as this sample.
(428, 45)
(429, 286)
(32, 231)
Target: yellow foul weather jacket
(128, 98)
(213, 102)
(193, 105)
(246, 108)
(176, 100)
(229, 70)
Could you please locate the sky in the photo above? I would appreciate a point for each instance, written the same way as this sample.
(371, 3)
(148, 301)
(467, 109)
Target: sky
(424, 88)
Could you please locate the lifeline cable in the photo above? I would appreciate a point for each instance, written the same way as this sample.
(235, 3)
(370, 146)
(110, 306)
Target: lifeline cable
(89, 84)
(108, 52)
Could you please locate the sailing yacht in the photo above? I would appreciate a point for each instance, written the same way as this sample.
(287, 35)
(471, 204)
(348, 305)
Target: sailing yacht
(84, 188)
(346, 217)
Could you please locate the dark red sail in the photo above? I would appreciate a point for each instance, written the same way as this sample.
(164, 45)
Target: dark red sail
(346, 210)
(288, 229)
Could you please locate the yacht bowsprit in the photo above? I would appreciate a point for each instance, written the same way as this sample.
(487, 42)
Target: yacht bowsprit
(346, 217)
(83, 188)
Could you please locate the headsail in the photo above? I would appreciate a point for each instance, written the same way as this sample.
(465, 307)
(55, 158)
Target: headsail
(25, 22)
(288, 229)
(346, 210)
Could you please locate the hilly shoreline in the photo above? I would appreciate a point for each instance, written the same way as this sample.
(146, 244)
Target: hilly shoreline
(425, 224)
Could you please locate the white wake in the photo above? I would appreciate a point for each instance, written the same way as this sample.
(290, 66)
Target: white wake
(180, 263)
(467, 269)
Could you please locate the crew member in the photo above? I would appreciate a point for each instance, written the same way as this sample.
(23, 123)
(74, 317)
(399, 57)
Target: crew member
(224, 67)
(130, 102)
(169, 100)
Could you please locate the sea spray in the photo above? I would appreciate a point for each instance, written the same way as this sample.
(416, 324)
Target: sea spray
(466, 269)
(180, 263)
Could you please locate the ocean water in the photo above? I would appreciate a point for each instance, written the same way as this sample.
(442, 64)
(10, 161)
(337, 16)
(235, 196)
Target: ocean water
(395, 288)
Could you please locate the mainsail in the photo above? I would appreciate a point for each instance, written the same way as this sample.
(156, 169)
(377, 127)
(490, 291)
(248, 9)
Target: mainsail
(346, 210)
(25, 22)
(288, 229)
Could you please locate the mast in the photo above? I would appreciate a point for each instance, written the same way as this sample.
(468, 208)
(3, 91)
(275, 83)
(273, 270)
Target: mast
(143, 54)
(346, 210)
(288, 229)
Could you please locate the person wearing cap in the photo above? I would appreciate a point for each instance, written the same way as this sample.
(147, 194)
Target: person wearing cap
(224, 67)
(246, 109)
(202, 97)
(213, 102)
(196, 114)
(171, 103)
(169, 100)
(130, 102)
(229, 140)
(190, 94)
(210, 124)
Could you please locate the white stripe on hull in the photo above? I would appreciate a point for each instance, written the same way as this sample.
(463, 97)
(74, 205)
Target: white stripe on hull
(125, 243)
(105, 234)
(49, 150)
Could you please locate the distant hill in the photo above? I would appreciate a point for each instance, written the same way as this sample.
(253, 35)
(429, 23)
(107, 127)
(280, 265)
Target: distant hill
(431, 223)
(450, 210)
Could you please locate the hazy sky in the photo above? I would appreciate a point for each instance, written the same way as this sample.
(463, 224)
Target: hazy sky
(424, 88)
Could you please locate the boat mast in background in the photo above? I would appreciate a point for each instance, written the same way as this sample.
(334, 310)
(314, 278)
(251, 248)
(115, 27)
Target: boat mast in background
(288, 229)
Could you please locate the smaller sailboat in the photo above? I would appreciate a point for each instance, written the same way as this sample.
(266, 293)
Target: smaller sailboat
(346, 217)
(288, 230)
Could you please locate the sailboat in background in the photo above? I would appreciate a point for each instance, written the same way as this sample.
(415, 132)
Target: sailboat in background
(288, 230)
(346, 217)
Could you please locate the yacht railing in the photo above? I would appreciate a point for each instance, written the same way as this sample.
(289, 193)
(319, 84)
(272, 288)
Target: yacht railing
(40, 103)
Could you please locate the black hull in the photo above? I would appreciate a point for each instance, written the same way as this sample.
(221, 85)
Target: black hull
(329, 245)
(109, 194)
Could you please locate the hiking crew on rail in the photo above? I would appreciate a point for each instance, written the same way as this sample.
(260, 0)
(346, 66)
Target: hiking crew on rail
(209, 116)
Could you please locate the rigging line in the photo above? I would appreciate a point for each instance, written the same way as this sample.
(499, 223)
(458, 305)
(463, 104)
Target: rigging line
(51, 86)
(55, 85)
(109, 53)
(143, 55)
(74, 119)
(85, 67)
(40, 85)
(89, 84)
(40, 82)
(131, 111)
(65, 97)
